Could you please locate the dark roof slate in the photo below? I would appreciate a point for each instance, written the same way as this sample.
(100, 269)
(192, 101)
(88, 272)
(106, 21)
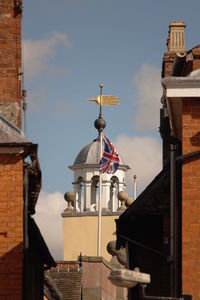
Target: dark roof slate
(68, 282)
(50, 289)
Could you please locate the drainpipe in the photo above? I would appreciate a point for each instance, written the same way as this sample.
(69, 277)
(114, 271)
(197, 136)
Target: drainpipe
(25, 232)
(25, 208)
(172, 219)
(174, 143)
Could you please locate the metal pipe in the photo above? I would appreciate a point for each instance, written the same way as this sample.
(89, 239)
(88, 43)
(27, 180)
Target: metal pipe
(100, 178)
(25, 232)
(142, 245)
(174, 142)
(100, 200)
(25, 208)
(172, 218)
(134, 188)
(186, 156)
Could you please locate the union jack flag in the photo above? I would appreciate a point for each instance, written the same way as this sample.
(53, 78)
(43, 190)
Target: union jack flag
(110, 160)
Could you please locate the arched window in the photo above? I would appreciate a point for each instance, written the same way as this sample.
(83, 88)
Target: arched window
(114, 189)
(94, 193)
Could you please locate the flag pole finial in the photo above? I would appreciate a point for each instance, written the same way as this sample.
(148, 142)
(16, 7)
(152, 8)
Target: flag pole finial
(100, 106)
(100, 123)
(101, 85)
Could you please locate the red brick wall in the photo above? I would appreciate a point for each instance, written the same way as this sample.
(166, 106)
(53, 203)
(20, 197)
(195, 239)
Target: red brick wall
(168, 60)
(95, 281)
(10, 59)
(11, 227)
(191, 199)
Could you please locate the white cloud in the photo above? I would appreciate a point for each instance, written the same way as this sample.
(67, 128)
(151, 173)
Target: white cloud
(38, 53)
(143, 155)
(49, 220)
(147, 103)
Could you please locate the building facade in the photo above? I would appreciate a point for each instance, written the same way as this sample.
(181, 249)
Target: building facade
(165, 241)
(23, 251)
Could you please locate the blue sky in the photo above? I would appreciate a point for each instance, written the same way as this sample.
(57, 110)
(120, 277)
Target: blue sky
(69, 47)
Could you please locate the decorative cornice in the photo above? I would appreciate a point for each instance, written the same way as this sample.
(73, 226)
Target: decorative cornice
(95, 166)
(181, 86)
(90, 214)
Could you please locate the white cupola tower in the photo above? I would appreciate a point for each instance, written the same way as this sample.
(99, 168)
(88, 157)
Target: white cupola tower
(87, 229)
(86, 181)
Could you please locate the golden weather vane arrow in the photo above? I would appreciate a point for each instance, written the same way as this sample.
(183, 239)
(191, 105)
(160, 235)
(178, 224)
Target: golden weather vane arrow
(106, 100)
(100, 124)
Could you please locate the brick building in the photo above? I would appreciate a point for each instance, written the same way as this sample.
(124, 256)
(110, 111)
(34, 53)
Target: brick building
(161, 228)
(23, 252)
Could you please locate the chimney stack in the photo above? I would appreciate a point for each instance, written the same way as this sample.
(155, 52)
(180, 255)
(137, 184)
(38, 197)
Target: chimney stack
(176, 37)
(10, 60)
(175, 44)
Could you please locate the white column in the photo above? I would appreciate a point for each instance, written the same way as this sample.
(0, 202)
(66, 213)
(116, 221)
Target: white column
(77, 206)
(94, 196)
(105, 194)
(80, 196)
(114, 197)
(121, 188)
(87, 195)
(134, 188)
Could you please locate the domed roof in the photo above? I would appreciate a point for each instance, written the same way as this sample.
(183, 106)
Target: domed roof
(90, 154)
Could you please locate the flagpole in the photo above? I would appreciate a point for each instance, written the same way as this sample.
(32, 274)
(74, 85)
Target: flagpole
(100, 176)
(100, 124)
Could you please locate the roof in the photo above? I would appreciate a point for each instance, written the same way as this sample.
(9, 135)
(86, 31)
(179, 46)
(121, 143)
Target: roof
(10, 134)
(90, 154)
(12, 139)
(38, 243)
(50, 289)
(153, 201)
(67, 282)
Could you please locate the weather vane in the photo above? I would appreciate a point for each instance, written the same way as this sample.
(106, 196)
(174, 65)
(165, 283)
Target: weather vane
(100, 124)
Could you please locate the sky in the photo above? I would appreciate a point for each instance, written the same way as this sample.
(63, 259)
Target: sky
(68, 48)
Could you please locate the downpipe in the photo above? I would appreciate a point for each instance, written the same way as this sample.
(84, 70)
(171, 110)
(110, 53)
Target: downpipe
(174, 144)
(172, 218)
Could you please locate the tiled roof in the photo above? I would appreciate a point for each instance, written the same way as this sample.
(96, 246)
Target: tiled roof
(50, 290)
(68, 282)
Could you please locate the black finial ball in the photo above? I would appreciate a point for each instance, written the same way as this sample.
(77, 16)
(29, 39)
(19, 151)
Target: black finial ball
(100, 124)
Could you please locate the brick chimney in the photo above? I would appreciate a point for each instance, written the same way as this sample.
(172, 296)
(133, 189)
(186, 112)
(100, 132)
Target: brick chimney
(175, 44)
(10, 60)
(176, 37)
